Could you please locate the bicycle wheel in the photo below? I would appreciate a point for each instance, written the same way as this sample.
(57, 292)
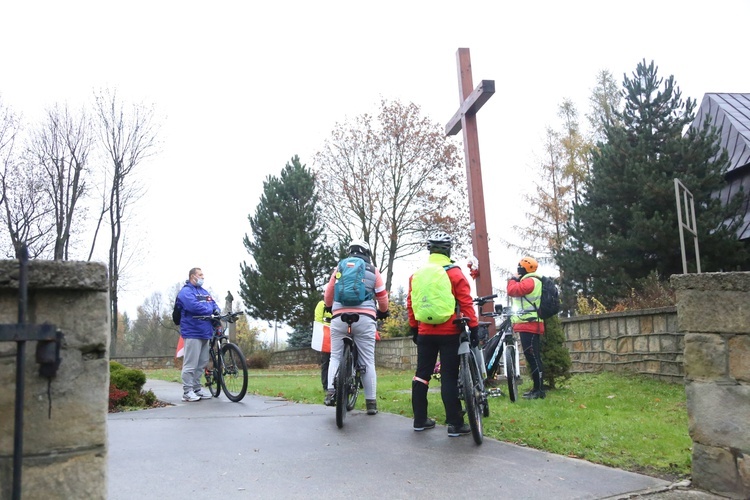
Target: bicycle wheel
(233, 372)
(212, 377)
(510, 369)
(342, 384)
(354, 383)
(480, 391)
(473, 410)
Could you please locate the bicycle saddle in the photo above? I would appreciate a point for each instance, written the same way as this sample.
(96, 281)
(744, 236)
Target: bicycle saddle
(349, 318)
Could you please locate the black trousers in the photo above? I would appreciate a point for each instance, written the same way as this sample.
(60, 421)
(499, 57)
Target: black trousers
(325, 360)
(531, 343)
(428, 348)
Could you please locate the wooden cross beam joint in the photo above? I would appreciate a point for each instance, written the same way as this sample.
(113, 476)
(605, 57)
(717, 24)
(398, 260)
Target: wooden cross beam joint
(471, 105)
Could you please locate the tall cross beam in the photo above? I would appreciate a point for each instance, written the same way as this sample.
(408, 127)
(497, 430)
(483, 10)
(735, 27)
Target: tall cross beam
(471, 100)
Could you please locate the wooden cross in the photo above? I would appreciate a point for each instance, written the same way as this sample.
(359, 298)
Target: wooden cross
(465, 119)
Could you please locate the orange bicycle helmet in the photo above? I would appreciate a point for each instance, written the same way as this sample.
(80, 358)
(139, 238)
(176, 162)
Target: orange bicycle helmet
(528, 264)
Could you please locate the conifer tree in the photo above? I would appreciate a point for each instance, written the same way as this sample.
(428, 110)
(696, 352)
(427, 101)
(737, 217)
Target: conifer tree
(292, 259)
(626, 224)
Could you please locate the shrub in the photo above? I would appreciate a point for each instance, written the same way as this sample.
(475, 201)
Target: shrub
(149, 398)
(259, 359)
(115, 366)
(586, 306)
(648, 292)
(396, 324)
(555, 356)
(129, 380)
(115, 397)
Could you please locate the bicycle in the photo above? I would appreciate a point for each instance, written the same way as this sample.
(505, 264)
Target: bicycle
(348, 378)
(227, 368)
(503, 352)
(471, 376)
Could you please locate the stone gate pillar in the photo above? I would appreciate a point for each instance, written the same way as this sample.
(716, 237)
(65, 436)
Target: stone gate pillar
(713, 312)
(65, 421)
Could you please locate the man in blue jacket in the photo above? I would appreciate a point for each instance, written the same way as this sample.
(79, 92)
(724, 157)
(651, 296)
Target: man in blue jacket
(193, 300)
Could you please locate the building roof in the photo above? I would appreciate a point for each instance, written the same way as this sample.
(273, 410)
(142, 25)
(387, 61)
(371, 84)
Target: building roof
(731, 114)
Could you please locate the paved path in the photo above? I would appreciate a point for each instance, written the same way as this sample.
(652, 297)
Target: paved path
(264, 447)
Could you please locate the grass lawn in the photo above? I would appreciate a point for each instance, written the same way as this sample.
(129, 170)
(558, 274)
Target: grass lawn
(629, 422)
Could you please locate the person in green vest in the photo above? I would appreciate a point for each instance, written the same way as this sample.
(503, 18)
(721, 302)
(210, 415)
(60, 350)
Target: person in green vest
(526, 295)
(438, 293)
(323, 317)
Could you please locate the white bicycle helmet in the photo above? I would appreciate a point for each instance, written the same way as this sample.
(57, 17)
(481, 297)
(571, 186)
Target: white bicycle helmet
(440, 242)
(359, 247)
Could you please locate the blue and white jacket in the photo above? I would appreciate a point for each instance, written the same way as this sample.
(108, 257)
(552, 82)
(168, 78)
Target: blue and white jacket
(195, 301)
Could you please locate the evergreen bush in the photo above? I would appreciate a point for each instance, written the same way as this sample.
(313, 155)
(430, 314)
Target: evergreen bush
(130, 380)
(555, 355)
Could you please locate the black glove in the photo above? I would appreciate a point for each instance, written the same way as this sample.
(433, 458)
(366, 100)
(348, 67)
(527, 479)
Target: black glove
(414, 334)
(474, 336)
(327, 309)
(382, 314)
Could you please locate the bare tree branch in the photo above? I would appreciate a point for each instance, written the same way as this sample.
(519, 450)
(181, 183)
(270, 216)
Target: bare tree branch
(129, 138)
(391, 180)
(61, 146)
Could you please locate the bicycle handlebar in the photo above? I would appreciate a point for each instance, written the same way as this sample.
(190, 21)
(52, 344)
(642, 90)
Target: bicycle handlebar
(480, 301)
(228, 317)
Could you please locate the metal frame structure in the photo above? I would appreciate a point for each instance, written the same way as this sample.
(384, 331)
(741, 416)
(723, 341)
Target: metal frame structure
(688, 204)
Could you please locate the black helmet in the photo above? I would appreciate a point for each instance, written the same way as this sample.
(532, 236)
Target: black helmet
(439, 242)
(359, 247)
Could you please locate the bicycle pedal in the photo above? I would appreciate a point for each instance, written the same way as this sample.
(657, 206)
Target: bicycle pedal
(495, 393)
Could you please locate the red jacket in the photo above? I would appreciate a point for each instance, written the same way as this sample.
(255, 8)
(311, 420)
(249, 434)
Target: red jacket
(462, 293)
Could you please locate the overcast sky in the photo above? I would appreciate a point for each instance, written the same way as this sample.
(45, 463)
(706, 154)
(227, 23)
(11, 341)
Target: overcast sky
(241, 87)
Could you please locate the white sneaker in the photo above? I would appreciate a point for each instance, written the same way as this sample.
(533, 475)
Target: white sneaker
(190, 396)
(202, 395)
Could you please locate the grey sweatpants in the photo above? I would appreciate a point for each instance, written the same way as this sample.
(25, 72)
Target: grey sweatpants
(194, 363)
(363, 332)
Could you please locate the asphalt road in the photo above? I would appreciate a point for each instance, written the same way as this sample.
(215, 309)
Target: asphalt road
(264, 447)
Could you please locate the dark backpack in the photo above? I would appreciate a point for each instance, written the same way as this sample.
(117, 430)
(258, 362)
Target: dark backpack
(550, 303)
(176, 312)
(349, 288)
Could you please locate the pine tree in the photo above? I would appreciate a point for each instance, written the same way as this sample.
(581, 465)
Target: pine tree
(292, 259)
(626, 224)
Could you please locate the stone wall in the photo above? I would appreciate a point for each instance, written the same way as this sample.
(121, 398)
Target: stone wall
(644, 341)
(150, 362)
(299, 356)
(713, 312)
(65, 421)
(399, 353)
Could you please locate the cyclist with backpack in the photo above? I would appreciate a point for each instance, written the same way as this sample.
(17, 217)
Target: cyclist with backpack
(438, 294)
(356, 286)
(525, 290)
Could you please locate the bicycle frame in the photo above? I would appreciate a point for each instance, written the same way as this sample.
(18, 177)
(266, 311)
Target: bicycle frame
(507, 338)
(507, 349)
